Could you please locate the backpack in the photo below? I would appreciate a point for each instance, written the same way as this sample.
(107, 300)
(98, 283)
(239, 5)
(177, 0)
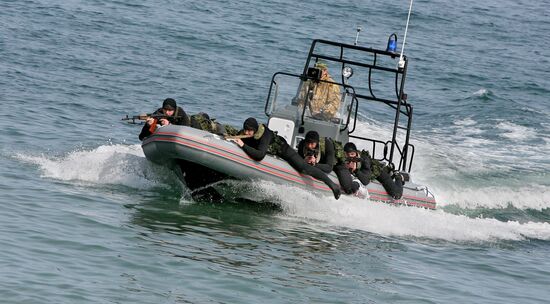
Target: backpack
(203, 122)
(376, 166)
(339, 152)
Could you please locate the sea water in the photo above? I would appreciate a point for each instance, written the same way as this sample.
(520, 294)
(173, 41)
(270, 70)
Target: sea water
(85, 218)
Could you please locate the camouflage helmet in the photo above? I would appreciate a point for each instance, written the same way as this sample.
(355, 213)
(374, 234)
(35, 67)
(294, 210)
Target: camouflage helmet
(321, 65)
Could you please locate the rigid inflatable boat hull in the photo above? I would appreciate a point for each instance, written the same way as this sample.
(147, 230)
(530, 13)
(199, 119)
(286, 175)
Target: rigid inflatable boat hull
(172, 143)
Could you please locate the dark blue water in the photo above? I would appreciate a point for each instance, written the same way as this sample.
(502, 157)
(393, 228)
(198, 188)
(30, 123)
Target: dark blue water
(85, 218)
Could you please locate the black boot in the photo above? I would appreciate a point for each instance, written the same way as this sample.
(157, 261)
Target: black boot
(399, 182)
(336, 191)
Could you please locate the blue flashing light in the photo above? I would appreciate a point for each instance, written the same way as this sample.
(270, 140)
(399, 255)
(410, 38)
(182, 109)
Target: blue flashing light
(392, 43)
(392, 46)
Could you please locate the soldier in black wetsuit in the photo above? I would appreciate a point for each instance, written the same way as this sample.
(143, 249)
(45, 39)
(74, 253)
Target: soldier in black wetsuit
(174, 115)
(365, 169)
(318, 152)
(263, 141)
(352, 165)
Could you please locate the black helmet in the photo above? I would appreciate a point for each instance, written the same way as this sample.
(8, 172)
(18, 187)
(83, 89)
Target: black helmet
(312, 136)
(251, 124)
(169, 104)
(350, 147)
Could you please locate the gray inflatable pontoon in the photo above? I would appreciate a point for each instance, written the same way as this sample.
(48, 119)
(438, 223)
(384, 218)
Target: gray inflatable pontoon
(172, 143)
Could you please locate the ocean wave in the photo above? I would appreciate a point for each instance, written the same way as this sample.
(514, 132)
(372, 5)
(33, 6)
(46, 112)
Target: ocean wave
(535, 197)
(483, 93)
(516, 132)
(105, 165)
(126, 165)
(475, 171)
(468, 121)
(389, 220)
(468, 126)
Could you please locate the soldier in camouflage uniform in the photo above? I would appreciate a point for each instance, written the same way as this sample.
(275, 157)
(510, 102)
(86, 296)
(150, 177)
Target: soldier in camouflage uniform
(262, 141)
(324, 96)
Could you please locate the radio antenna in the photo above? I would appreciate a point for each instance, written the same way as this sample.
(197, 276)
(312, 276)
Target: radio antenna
(401, 61)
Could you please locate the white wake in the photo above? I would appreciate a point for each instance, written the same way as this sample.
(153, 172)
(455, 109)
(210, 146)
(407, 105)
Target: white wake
(109, 165)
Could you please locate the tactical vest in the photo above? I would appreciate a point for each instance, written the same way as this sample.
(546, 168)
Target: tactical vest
(176, 119)
(276, 146)
(277, 143)
(376, 166)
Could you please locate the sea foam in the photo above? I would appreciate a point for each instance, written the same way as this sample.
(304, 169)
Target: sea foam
(109, 165)
(388, 220)
(126, 165)
(516, 132)
(482, 93)
(472, 172)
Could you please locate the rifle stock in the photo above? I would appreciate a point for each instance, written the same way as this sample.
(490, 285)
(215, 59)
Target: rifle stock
(237, 136)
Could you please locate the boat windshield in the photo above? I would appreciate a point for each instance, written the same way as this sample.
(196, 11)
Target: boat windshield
(297, 97)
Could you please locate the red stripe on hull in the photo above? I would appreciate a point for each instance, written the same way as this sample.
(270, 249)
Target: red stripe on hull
(248, 164)
(269, 168)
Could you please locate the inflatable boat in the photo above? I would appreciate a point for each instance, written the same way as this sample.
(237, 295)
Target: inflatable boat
(204, 157)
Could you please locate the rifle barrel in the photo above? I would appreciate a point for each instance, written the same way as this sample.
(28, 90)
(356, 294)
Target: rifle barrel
(144, 116)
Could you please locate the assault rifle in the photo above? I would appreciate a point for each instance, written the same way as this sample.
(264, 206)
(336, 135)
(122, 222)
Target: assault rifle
(311, 152)
(353, 159)
(132, 119)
